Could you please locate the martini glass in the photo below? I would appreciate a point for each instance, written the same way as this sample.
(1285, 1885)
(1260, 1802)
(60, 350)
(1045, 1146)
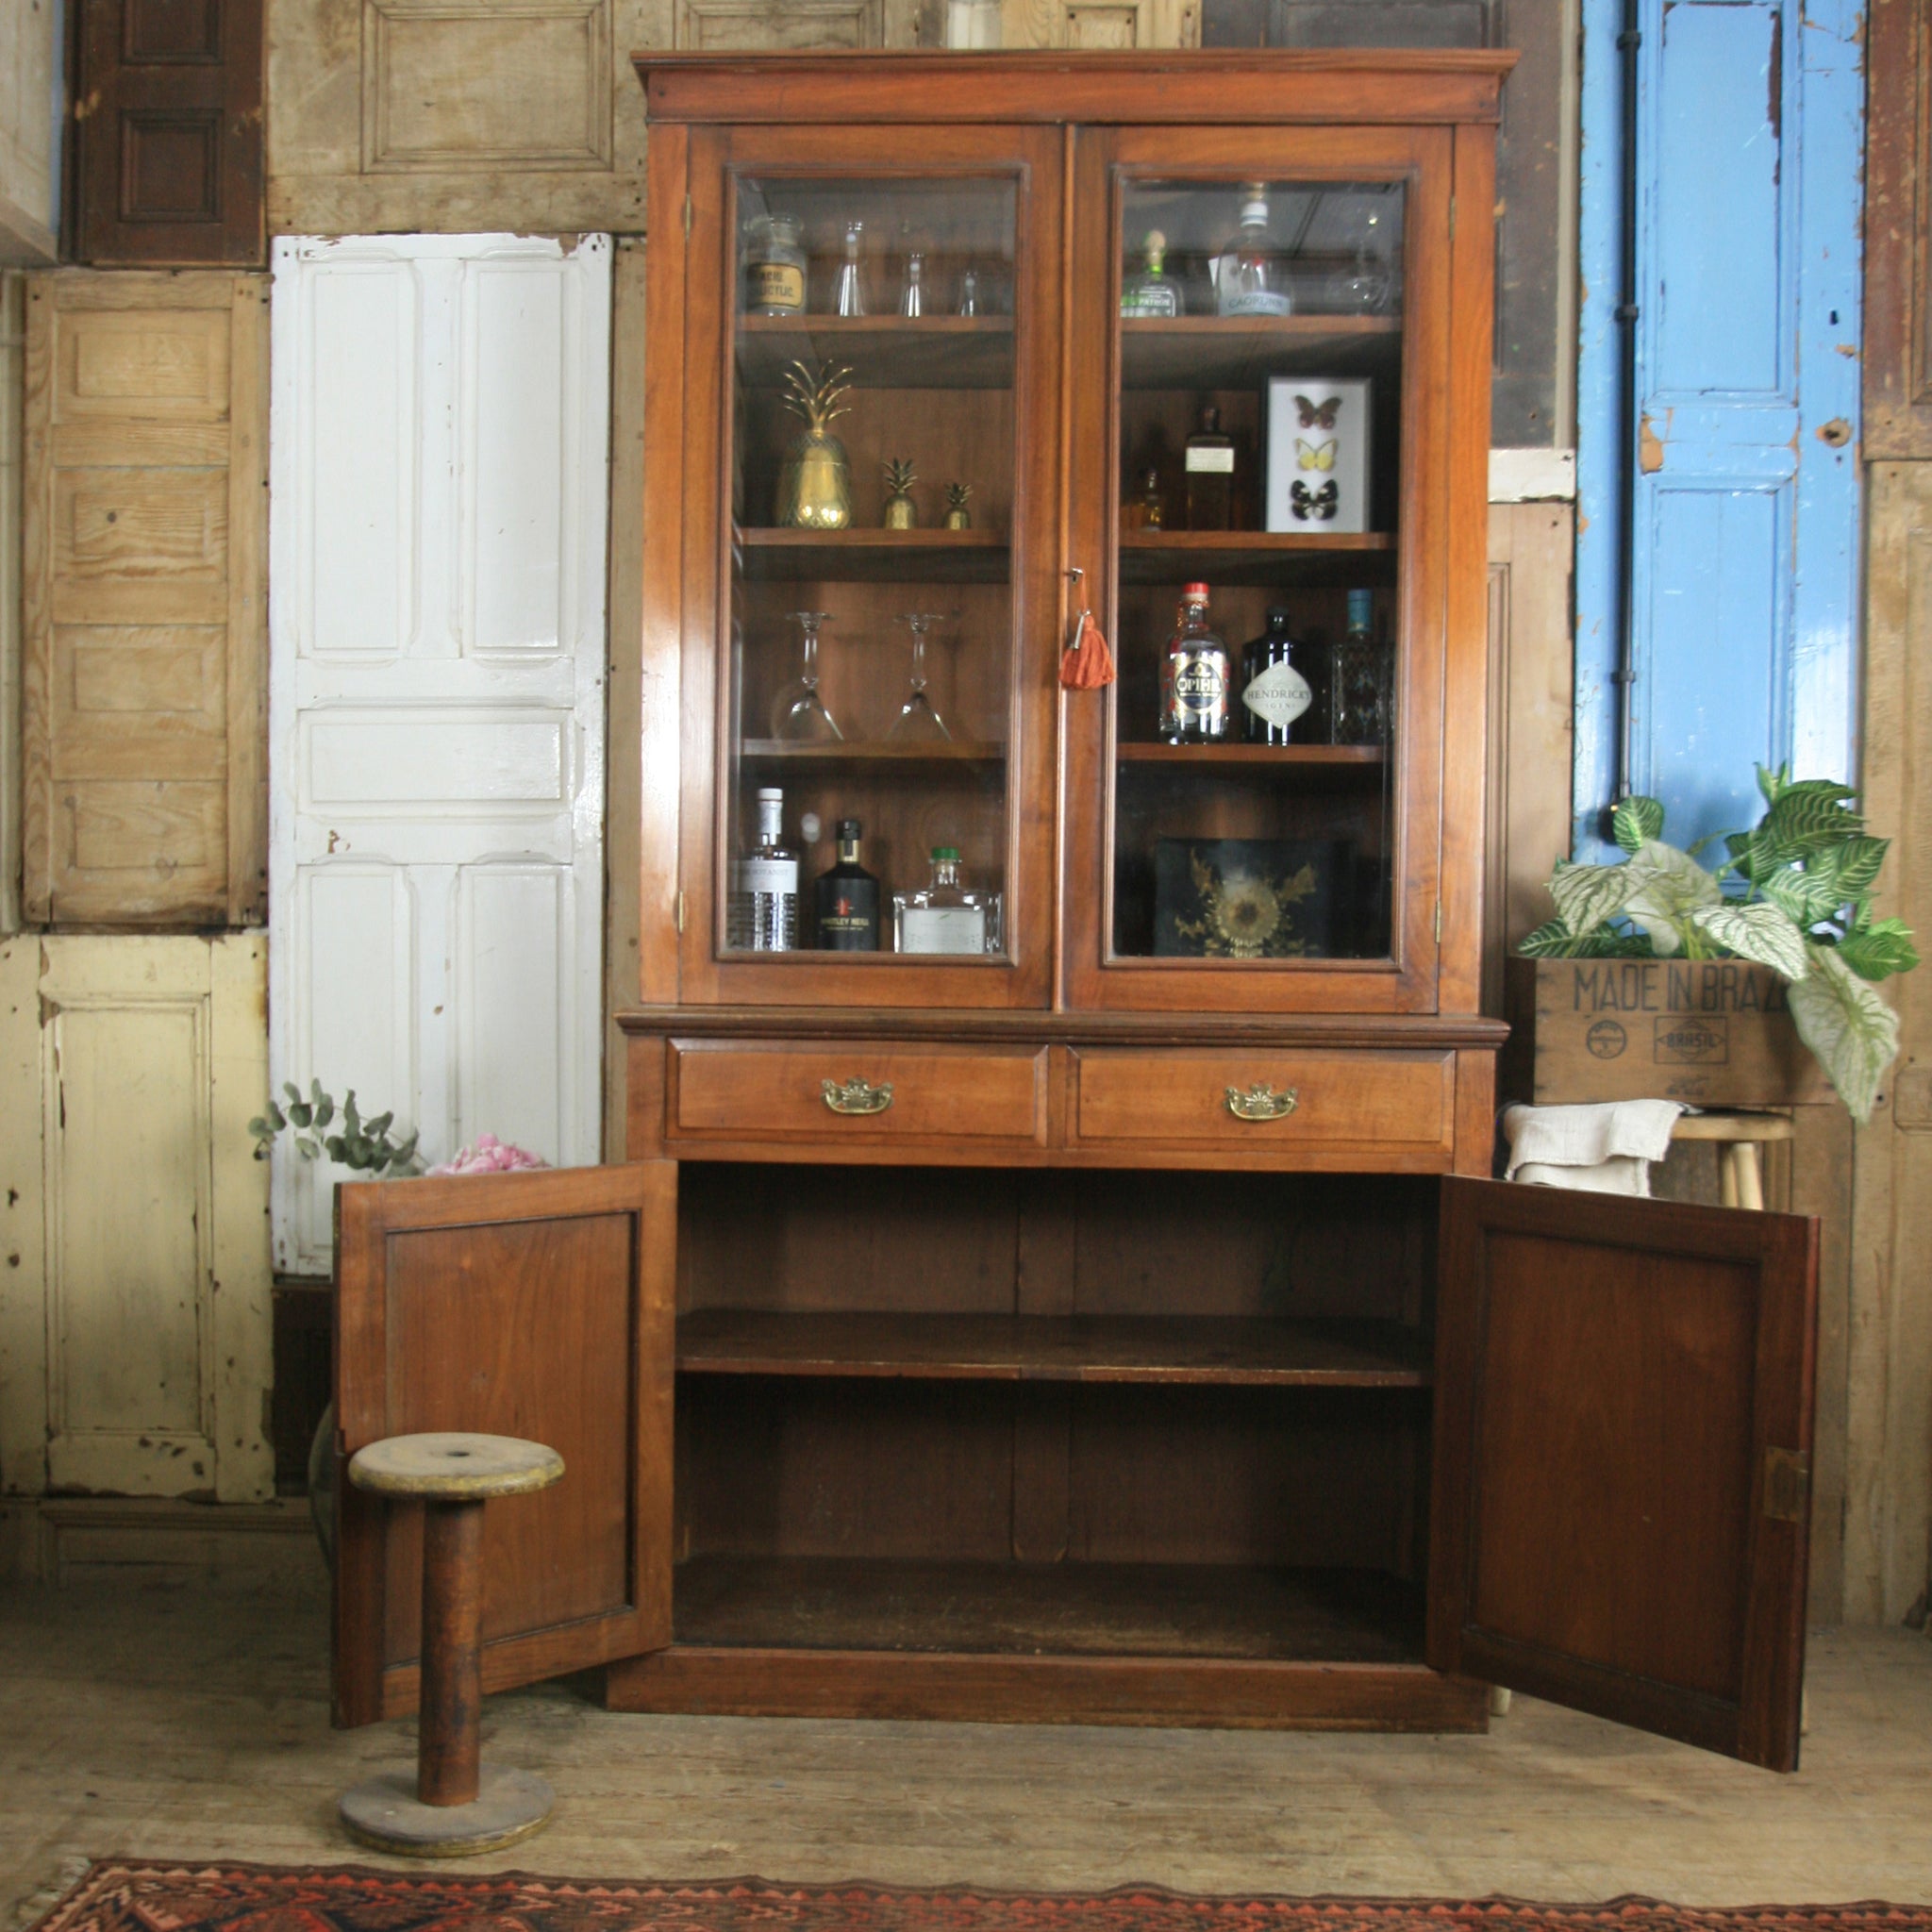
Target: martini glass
(798, 713)
(917, 722)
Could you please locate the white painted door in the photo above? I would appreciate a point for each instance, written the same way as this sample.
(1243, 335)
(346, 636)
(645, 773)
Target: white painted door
(438, 447)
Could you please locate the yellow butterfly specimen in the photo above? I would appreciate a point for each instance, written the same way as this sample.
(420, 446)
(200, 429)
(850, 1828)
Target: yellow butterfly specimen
(1314, 455)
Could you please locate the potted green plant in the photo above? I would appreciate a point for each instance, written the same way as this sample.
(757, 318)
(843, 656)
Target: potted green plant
(1793, 896)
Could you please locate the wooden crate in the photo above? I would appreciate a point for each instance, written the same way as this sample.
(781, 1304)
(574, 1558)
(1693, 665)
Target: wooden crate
(1714, 1033)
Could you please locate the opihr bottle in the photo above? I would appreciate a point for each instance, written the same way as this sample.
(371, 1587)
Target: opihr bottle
(847, 899)
(1364, 677)
(1194, 677)
(764, 888)
(945, 916)
(1284, 686)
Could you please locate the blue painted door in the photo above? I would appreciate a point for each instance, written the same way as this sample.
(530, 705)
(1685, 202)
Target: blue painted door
(1744, 586)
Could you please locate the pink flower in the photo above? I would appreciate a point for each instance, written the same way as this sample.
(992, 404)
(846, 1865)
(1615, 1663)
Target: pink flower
(487, 1155)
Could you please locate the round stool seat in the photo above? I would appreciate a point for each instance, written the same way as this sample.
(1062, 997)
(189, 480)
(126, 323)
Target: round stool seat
(452, 1467)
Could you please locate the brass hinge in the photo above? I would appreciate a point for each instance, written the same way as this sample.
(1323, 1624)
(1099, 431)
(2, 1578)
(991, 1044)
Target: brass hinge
(687, 218)
(1439, 922)
(1787, 1485)
(680, 912)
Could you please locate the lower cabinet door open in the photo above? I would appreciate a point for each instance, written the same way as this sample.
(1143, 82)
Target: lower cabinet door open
(1623, 1443)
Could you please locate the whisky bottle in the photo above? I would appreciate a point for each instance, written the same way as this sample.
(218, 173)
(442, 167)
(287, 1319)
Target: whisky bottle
(845, 899)
(1152, 293)
(764, 898)
(1209, 461)
(1284, 688)
(1141, 508)
(1194, 677)
(1251, 274)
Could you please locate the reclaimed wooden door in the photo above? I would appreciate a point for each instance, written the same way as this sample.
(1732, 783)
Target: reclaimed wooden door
(1622, 1459)
(440, 462)
(533, 1305)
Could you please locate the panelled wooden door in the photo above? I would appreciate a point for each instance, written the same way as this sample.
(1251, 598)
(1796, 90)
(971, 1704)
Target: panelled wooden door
(436, 692)
(1622, 1459)
(530, 1305)
(143, 790)
(167, 134)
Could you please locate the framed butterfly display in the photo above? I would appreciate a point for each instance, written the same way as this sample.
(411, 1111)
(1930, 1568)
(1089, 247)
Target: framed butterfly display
(1318, 454)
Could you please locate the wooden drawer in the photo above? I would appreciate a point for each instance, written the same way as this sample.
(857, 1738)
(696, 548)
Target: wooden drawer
(1316, 1102)
(855, 1091)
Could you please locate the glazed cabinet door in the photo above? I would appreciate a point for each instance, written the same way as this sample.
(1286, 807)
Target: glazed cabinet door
(866, 457)
(1279, 409)
(536, 1305)
(1622, 1459)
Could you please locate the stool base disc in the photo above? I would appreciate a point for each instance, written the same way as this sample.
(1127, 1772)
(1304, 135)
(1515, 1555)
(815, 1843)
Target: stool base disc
(384, 1813)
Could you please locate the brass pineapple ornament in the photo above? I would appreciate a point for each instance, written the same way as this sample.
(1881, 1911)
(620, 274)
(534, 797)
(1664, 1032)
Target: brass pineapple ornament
(815, 486)
(958, 516)
(901, 513)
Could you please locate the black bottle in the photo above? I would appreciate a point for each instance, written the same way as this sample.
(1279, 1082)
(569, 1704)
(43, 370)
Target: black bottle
(847, 899)
(1285, 684)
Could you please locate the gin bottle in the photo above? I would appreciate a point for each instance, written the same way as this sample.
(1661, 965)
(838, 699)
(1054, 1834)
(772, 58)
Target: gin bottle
(1364, 677)
(1194, 677)
(945, 916)
(765, 897)
(1250, 276)
(847, 899)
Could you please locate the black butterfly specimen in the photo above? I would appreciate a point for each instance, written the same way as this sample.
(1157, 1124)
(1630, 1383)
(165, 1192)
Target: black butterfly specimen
(1319, 415)
(1320, 504)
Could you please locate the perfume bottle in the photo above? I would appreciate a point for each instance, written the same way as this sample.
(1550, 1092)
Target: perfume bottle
(1194, 677)
(1209, 461)
(1250, 276)
(845, 899)
(1153, 292)
(764, 896)
(945, 916)
(848, 294)
(1141, 508)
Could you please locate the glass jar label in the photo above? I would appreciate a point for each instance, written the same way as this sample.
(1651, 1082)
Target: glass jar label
(768, 875)
(778, 285)
(1215, 461)
(943, 930)
(1200, 684)
(1280, 695)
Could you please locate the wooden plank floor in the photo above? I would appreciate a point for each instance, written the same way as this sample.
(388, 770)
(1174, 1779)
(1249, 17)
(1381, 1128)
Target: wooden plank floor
(173, 1721)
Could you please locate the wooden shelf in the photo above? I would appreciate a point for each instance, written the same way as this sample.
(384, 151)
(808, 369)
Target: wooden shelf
(882, 351)
(1256, 557)
(1093, 1609)
(864, 755)
(1325, 758)
(927, 556)
(1053, 1348)
(1199, 352)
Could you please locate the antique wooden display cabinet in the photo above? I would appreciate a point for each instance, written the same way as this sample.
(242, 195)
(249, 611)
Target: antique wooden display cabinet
(1058, 1303)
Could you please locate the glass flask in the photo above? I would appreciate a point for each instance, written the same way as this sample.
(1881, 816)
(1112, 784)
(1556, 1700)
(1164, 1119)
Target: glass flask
(848, 294)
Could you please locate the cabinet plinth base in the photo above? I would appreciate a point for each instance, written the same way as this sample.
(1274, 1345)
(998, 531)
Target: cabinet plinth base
(1212, 1693)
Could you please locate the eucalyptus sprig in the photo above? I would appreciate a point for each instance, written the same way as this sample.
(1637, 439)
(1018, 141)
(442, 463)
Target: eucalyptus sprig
(1793, 894)
(361, 1146)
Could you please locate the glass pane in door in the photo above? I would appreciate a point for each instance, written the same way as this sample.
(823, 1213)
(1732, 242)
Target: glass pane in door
(871, 643)
(1259, 468)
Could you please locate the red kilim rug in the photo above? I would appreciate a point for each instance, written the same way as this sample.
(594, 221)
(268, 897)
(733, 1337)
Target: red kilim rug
(122, 1895)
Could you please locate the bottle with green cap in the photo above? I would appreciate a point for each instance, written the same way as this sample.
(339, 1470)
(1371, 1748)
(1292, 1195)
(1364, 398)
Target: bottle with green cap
(946, 916)
(1364, 696)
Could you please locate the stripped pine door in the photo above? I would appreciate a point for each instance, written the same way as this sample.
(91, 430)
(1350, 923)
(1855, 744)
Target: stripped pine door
(438, 454)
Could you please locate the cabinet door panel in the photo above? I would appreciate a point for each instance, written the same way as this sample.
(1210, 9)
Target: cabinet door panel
(532, 1304)
(1623, 1455)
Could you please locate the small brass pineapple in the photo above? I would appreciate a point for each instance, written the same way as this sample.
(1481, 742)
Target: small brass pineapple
(958, 516)
(815, 486)
(901, 513)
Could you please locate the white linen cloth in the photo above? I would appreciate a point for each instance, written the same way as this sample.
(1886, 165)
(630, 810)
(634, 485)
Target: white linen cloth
(1606, 1148)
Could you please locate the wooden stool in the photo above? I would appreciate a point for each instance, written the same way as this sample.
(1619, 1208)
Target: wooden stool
(1740, 1179)
(458, 1807)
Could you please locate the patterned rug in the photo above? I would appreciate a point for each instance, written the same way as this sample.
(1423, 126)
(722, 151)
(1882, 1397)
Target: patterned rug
(125, 1895)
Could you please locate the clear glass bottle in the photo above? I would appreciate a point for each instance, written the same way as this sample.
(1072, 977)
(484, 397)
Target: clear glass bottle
(764, 890)
(1364, 676)
(1284, 686)
(945, 916)
(1143, 508)
(845, 899)
(912, 293)
(969, 292)
(774, 265)
(1251, 277)
(848, 294)
(1195, 677)
(1152, 292)
(1209, 463)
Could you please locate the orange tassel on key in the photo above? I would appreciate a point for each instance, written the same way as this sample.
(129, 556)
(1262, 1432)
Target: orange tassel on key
(1086, 664)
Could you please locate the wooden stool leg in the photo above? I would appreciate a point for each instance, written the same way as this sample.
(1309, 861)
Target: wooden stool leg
(1750, 1175)
(448, 1737)
(1727, 1176)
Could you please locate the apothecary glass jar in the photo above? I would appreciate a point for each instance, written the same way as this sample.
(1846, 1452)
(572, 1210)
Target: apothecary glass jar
(774, 265)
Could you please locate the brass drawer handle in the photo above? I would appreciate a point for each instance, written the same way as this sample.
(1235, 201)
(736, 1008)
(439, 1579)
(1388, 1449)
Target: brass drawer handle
(857, 1095)
(1262, 1102)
